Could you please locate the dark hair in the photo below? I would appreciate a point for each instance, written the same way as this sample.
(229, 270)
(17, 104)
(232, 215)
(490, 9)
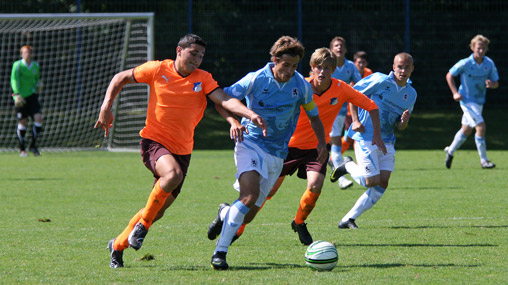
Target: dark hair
(287, 45)
(360, 54)
(189, 39)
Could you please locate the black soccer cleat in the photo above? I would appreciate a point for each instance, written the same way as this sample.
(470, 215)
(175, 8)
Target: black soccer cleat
(219, 261)
(116, 256)
(449, 158)
(302, 231)
(35, 151)
(216, 226)
(340, 170)
(349, 224)
(137, 236)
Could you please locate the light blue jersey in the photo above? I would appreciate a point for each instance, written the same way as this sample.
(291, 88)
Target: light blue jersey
(472, 78)
(348, 73)
(278, 103)
(391, 99)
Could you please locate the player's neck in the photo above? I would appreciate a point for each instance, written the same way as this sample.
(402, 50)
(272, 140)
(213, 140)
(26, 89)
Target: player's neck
(478, 60)
(341, 61)
(319, 87)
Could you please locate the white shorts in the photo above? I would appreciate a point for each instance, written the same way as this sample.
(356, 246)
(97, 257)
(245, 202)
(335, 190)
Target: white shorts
(248, 157)
(372, 160)
(338, 126)
(472, 114)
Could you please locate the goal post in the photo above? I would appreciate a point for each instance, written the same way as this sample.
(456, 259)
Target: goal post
(78, 55)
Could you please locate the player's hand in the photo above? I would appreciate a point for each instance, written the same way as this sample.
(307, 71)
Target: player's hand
(236, 131)
(357, 127)
(488, 83)
(322, 153)
(105, 121)
(260, 122)
(404, 119)
(18, 100)
(457, 97)
(378, 141)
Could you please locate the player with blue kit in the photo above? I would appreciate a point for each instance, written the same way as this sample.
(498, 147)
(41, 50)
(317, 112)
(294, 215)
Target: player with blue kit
(477, 73)
(395, 98)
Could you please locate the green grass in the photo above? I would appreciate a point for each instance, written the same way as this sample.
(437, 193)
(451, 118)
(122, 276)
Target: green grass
(433, 225)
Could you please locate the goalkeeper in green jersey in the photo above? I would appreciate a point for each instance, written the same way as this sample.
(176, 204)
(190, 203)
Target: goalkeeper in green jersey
(25, 85)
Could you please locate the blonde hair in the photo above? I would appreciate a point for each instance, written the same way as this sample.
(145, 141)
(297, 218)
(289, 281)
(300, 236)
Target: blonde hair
(323, 56)
(287, 45)
(479, 38)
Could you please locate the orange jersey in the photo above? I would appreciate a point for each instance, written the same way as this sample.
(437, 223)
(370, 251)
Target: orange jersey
(176, 103)
(329, 104)
(366, 72)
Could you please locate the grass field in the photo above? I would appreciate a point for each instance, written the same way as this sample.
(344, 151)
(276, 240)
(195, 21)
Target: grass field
(433, 225)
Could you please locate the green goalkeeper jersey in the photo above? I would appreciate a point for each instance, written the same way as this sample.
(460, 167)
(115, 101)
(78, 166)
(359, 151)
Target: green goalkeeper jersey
(25, 79)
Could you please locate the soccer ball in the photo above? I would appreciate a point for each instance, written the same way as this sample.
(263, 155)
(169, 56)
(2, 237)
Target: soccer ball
(321, 255)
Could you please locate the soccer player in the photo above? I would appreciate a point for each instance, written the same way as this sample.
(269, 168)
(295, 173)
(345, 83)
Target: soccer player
(276, 92)
(25, 84)
(477, 73)
(347, 72)
(178, 92)
(329, 95)
(395, 98)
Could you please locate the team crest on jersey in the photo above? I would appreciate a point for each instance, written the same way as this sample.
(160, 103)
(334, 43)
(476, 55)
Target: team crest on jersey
(197, 87)
(334, 101)
(295, 92)
(254, 163)
(367, 169)
(405, 97)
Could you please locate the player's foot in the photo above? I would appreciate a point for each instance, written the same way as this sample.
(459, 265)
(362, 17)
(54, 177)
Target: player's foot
(303, 233)
(219, 261)
(349, 224)
(23, 153)
(449, 158)
(487, 164)
(340, 170)
(116, 256)
(216, 226)
(344, 183)
(137, 236)
(35, 151)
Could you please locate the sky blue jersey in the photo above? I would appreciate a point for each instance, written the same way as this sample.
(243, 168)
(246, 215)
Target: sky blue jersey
(472, 78)
(391, 99)
(348, 72)
(278, 103)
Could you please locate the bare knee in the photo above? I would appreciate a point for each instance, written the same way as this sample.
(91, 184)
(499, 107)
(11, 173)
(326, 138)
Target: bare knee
(169, 181)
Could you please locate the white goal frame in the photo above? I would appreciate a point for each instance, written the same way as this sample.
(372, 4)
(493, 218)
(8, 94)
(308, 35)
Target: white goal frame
(78, 55)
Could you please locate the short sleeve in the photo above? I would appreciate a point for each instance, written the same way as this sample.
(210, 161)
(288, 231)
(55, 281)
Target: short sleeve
(144, 73)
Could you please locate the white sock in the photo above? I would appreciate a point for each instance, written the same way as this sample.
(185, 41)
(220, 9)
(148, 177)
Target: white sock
(232, 221)
(356, 173)
(458, 140)
(336, 155)
(365, 202)
(481, 145)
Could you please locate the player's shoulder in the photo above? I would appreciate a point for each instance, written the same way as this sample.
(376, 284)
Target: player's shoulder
(488, 60)
(376, 77)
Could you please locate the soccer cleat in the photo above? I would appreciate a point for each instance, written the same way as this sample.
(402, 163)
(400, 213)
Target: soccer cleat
(349, 224)
(137, 236)
(303, 233)
(23, 154)
(340, 170)
(35, 151)
(487, 164)
(116, 256)
(219, 261)
(216, 226)
(449, 158)
(344, 183)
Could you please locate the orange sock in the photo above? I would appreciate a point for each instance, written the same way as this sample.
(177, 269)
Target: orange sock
(121, 241)
(307, 203)
(153, 205)
(345, 144)
(240, 230)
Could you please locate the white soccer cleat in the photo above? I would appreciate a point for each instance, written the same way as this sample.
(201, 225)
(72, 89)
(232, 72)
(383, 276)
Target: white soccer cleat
(345, 183)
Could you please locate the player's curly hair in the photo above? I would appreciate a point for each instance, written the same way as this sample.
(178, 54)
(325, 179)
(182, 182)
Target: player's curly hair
(287, 45)
(323, 56)
(189, 39)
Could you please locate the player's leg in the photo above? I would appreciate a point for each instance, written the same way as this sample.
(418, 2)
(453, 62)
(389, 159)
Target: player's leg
(470, 118)
(336, 151)
(22, 116)
(34, 109)
(481, 146)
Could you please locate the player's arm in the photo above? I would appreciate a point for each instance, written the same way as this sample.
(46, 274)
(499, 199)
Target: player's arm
(313, 115)
(15, 85)
(404, 120)
(236, 130)
(450, 79)
(105, 119)
(235, 106)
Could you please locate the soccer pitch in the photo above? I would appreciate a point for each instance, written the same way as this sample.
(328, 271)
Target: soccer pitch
(433, 225)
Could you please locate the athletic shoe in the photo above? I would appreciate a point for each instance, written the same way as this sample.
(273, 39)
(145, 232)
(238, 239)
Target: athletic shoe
(344, 183)
(35, 151)
(340, 170)
(303, 233)
(137, 236)
(488, 164)
(23, 153)
(349, 224)
(116, 256)
(449, 158)
(216, 226)
(219, 261)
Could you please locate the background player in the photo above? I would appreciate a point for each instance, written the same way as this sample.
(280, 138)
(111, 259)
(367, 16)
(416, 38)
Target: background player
(477, 73)
(25, 84)
(395, 98)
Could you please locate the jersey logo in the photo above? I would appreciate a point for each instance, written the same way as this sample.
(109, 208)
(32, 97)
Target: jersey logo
(197, 87)
(260, 103)
(254, 163)
(367, 169)
(334, 101)
(295, 92)
(405, 97)
(165, 78)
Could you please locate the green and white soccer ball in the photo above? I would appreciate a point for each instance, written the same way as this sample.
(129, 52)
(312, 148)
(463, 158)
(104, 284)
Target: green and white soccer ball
(321, 256)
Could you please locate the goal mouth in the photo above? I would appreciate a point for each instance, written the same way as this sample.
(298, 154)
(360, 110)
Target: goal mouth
(78, 55)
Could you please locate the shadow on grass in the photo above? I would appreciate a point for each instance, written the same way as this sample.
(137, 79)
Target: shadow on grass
(33, 179)
(253, 266)
(392, 265)
(443, 227)
(418, 245)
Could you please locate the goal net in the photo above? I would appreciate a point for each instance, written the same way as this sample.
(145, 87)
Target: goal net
(78, 55)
